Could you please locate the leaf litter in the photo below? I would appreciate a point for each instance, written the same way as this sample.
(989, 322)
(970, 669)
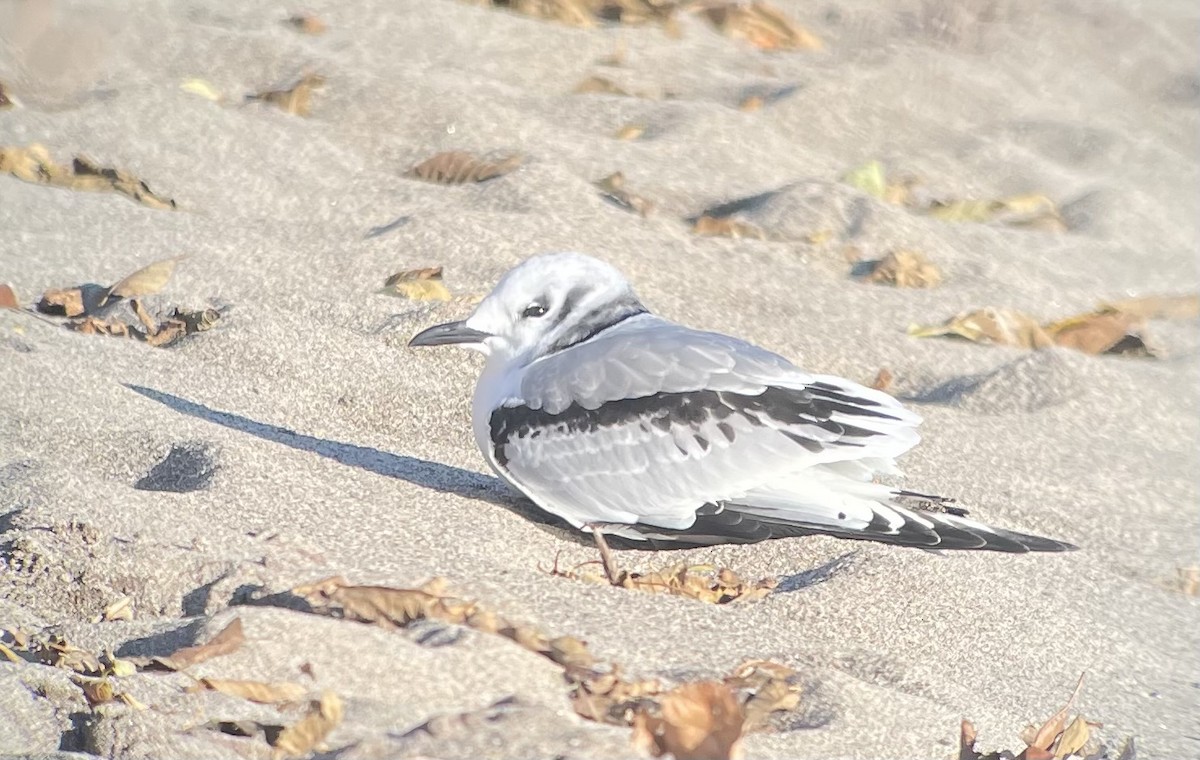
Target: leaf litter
(88, 308)
(759, 23)
(418, 285)
(227, 641)
(612, 189)
(904, 269)
(1030, 210)
(34, 164)
(459, 167)
(704, 583)
(1060, 737)
(675, 719)
(1116, 328)
(296, 99)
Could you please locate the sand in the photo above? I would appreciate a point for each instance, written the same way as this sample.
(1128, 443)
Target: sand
(305, 440)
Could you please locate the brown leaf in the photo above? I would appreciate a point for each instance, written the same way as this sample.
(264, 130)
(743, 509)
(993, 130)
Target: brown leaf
(307, 23)
(1050, 730)
(1188, 579)
(229, 640)
(630, 132)
(8, 297)
(726, 227)
(612, 189)
(305, 735)
(700, 721)
(5, 101)
(760, 24)
(1074, 738)
(146, 281)
(1157, 307)
(98, 692)
(256, 691)
(1000, 326)
(569, 651)
(34, 164)
(966, 741)
(883, 380)
(1112, 332)
(381, 605)
(752, 103)
(601, 85)
(905, 269)
(458, 167)
(418, 285)
(573, 12)
(297, 99)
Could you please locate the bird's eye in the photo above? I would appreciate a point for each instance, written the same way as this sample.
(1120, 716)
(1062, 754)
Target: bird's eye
(534, 310)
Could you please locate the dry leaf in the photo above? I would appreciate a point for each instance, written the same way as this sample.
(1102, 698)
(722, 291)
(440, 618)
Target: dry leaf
(761, 25)
(33, 164)
(8, 297)
(630, 132)
(307, 23)
(255, 691)
(418, 285)
(1031, 210)
(118, 609)
(752, 103)
(1188, 579)
(608, 697)
(883, 380)
(573, 12)
(227, 641)
(1000, 326)
(570, 652)
(1157, 307)
(1101, 333)
(1045, 736)
(146, 281)
(700, 582)
(203, 89)
(9, 654)
(296, 99)
(726, 227)
(601, 85)
(700, 721)
(381, 605)
(457, 167)
(5, 101)
(612, 189)
(305, 735)
(1073, 739)
(771, 686)
(905, 269)
(97, 692)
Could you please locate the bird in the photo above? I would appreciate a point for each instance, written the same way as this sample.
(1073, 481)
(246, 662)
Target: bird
(624, 423)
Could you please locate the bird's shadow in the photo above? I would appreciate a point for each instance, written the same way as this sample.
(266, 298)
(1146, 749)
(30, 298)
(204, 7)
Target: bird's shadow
(438, 477)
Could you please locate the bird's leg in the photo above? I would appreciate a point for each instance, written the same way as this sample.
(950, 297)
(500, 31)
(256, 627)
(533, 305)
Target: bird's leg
(606, 557)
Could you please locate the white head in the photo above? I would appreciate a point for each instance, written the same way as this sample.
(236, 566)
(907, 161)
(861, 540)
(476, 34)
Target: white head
(543, 305)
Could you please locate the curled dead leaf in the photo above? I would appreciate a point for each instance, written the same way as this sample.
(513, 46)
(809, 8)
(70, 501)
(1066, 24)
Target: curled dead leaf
(701, 582)
(8, 297)
(418, 285)
(905, 269)
(98, 692)
(307, 23)
(699, 721)
(34, 164)
(760, 24)
(228, 640)
(309, 732)
(612, 189)
(771, 688)
(1104, 332)
(458, 167)
(1073, 739)
(1045, 736)
(297, 99)
(1000, 326)
(255, 691)
(146, 281)
(1157, 307)
(630, 132)
(570, 652)
(883, 380)
(726, 227)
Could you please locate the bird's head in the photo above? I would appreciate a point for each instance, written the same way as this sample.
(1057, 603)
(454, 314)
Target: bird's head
(543, 305)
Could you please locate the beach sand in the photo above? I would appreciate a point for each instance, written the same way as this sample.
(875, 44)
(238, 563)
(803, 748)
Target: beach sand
(309, 441)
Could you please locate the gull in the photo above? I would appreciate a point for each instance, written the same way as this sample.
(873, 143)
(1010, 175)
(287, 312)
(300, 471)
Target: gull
(619, 421)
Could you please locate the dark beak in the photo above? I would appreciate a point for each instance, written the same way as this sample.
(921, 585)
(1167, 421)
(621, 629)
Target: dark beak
(449, 334)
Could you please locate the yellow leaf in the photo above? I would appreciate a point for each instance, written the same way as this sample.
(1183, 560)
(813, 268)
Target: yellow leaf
(870, 178)
(1073, 738)
(630, 132)
(203, 89)
(418, 285)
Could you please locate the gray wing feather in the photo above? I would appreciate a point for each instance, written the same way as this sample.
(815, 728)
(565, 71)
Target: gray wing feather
(650, 421)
